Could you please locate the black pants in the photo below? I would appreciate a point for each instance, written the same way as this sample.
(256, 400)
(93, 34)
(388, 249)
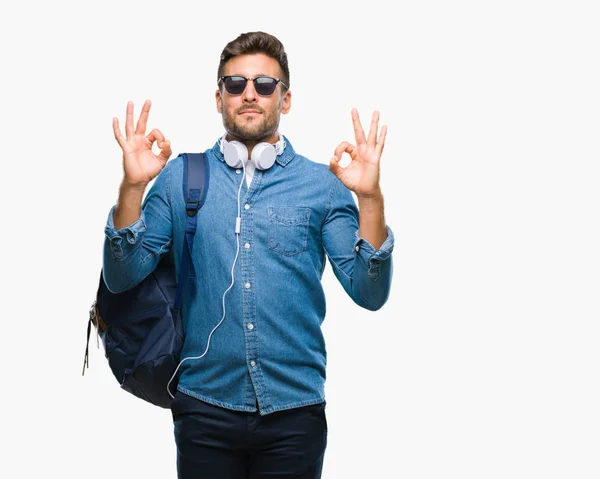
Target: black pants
(213, 442)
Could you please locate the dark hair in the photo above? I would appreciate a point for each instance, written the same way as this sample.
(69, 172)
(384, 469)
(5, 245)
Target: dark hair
(256, 42)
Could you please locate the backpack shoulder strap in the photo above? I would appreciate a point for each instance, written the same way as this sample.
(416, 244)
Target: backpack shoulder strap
(195, 186)
(195, 181)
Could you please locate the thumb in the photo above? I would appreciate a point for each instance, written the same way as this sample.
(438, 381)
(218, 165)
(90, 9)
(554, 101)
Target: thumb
(334, 166)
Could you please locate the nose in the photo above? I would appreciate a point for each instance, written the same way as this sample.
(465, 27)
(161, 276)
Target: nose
(249, 94)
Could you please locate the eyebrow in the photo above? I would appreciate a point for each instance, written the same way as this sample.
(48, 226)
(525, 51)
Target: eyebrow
(257, 75)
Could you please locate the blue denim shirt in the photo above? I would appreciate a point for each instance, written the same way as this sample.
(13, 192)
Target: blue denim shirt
(269, 349)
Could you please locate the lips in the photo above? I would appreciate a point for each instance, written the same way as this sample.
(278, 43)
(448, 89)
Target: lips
(249, 112)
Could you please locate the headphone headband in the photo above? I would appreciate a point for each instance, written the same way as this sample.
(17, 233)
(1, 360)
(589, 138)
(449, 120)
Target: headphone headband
(279, 146)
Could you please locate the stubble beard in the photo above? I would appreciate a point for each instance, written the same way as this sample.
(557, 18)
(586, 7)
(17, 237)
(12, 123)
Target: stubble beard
(252, 130)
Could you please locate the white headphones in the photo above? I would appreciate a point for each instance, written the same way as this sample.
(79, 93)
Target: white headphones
(263, 154)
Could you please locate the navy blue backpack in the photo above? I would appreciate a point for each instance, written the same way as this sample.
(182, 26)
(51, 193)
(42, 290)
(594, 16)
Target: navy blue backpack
(141, 328)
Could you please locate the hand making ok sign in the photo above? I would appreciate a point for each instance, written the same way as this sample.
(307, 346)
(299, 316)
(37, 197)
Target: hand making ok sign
(361, 175)
(140, 164)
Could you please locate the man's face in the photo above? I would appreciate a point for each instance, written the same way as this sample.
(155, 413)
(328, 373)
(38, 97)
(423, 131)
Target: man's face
(250, 117)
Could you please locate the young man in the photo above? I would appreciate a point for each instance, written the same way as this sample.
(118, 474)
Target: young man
(250, 398)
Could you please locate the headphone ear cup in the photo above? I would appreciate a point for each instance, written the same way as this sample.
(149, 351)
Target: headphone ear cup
(235, 153)
(263, 155)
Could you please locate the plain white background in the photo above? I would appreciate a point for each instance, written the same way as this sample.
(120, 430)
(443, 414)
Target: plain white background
(484, 362)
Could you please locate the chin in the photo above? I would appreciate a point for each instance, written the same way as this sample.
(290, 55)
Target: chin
(251, 133)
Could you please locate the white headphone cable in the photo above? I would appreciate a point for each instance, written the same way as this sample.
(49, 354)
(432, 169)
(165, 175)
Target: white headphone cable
(237, 237)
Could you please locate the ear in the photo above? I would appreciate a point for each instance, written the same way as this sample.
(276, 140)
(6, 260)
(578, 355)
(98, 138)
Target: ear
(219, 100)
(286, 102)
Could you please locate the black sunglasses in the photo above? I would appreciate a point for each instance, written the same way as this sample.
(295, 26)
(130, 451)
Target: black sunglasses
(236, 84)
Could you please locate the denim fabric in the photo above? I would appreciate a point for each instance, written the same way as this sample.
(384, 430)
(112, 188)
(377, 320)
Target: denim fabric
(269, 348)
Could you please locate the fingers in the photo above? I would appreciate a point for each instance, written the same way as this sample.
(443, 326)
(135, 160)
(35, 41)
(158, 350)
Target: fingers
(344, 147)
(155, 135)
(164, 145)
(117, 131)
(359, 133)
(373, 129)
(371, 140)
(165, 151)
(334, 166)
(334, 162)
(381, 141)
(140, 129)
(129, 120)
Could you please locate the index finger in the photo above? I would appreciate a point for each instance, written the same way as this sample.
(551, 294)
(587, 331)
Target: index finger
(140, 129)
(359, 133)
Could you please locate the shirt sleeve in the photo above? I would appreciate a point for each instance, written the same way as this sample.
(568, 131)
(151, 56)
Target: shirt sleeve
(364, 273)
(131, 253)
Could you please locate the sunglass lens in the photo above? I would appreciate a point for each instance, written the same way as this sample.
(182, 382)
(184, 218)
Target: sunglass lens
(235, 85)
(265, 85)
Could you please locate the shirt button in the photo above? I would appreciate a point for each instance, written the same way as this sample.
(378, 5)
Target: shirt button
(357, 248)
(247, 245)
(246, 206)
(253, 363)
(250, 326)
(237, 172)
(247, 285)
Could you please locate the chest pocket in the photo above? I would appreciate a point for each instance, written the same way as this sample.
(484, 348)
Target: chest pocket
(288, 229)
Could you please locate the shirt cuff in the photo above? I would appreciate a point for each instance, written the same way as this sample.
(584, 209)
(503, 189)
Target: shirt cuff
(131, 233)
(370, 256)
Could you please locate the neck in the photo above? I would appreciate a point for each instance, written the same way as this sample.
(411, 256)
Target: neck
(274, 138)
